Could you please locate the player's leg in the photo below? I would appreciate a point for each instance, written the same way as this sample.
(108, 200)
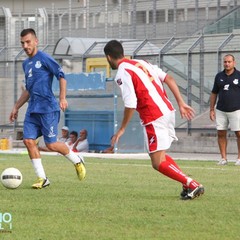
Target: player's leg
(237, 133)
(222, 144)
(234, 121)
(49, 129)
(169, 159)
(159, 136)
(171, 170)
(185, 187)
(31, 132)
(222, 123)
(167, 168)
(76, 159)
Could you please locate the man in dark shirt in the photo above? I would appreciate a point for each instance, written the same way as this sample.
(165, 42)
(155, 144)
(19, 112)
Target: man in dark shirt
(227, 89)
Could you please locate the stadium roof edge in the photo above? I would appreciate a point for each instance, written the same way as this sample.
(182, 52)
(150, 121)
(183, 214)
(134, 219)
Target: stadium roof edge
(88, 47)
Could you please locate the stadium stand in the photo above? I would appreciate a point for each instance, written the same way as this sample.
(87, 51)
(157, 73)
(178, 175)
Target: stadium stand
(186, 38)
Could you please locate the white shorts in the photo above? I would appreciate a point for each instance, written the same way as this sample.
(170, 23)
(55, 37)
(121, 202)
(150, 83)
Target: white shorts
(226, 119)
(159, 134)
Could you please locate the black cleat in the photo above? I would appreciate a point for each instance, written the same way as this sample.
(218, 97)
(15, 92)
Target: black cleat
(198, 191)
(184, 192)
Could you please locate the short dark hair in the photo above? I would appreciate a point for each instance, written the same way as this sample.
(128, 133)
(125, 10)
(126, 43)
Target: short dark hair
(114, 49)
(26, 31)
(74, 133)
(230, 55)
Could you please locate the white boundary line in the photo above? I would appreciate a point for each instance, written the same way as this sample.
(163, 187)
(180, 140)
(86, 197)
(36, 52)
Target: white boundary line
(174, 155)
(225, 168)
(137, 156)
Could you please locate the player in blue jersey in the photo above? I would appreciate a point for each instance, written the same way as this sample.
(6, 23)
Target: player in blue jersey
(43, 112)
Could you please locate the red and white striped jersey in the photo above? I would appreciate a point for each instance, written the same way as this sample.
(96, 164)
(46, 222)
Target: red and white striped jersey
(141, 87)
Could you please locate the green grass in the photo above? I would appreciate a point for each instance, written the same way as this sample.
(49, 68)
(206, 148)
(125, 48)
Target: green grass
(120, 199)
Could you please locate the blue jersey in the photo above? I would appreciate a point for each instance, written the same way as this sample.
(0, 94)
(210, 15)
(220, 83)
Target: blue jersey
(39, 72)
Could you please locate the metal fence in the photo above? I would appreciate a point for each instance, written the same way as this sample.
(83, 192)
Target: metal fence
(192, 60)
(133, 19)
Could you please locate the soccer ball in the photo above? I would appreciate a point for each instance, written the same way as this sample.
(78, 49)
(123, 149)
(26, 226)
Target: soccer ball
(11, 178)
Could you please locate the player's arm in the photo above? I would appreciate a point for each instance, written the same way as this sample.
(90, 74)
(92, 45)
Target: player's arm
(58, 72)
(20, 102)
(130, 101)
(128, 113)
(74, 148)
(185, 110)
(62, 94)
(76, 144)
(213, 99)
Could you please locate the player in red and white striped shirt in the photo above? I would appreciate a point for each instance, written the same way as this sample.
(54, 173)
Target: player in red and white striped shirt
(142, 90)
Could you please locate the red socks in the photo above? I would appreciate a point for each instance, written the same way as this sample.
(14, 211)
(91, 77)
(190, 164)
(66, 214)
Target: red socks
(170, 160)
(170, 169)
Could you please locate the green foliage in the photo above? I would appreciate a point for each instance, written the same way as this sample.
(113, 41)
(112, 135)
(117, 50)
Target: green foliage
(120, 199)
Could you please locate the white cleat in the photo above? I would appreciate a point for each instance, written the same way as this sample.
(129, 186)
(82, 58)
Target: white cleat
(222, 162)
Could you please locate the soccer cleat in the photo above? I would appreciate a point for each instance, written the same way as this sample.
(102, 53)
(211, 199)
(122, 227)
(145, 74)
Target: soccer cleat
(81, 159)
(81, 170)
(194, 193)
(184, 192)
(41, 183)
(237, 163)
(222, 162)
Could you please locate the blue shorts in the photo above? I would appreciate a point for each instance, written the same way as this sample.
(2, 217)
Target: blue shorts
(41, 124)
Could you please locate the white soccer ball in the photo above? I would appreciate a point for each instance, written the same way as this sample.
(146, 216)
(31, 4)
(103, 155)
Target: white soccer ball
(11, 178)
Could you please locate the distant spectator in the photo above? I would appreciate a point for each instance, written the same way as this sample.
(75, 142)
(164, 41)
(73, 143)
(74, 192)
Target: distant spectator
(226, 96)
(65, 135)
(81, 145)
(73, 136)
(63, 138)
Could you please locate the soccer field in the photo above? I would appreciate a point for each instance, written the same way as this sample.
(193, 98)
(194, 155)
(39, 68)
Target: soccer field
(119, 199)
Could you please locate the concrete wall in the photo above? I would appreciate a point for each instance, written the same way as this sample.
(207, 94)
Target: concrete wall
(202, 144)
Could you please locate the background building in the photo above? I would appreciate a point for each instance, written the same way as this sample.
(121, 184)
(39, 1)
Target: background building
(186, 38)
(134, 19)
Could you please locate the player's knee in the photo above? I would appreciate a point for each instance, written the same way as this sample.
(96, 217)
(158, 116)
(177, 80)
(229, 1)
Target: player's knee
(29, 142)
(156, 159)
(222, 133)
(155, 165)
(237, 133)
(51, 146)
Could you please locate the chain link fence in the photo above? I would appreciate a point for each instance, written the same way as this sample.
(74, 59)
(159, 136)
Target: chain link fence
(192, 60)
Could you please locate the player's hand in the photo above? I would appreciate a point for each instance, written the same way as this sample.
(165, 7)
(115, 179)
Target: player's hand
(212, 115)
(63, 104)
(116, 137)
(187, 112)
(13, 115)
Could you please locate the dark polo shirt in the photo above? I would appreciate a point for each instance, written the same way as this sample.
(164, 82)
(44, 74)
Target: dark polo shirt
(228, 90)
